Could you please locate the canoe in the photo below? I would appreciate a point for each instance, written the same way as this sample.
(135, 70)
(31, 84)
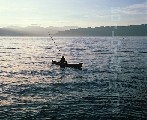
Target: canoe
(79, 65)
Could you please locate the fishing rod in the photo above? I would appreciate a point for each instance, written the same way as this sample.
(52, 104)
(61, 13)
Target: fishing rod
(62, 62)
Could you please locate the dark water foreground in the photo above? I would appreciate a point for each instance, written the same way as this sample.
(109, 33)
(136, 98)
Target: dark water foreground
(111, 85)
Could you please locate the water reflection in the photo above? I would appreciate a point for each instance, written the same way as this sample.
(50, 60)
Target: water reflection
(111, 84)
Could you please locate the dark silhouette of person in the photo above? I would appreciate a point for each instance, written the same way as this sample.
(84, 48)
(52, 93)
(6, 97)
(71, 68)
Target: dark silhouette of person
(63, 61)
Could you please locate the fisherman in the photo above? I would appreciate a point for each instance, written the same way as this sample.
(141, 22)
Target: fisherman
(63, 62)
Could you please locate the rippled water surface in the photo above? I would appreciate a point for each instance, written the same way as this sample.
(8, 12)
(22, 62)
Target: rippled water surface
(111, 85)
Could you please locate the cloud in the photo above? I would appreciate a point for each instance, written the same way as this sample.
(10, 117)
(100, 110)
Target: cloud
(136, 9)
(138, 6)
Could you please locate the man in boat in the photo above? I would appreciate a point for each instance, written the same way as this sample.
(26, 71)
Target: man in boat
(63, 63)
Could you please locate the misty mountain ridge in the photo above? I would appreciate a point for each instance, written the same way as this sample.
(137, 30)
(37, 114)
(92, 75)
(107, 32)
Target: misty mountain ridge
(32, 30)
(131, 30)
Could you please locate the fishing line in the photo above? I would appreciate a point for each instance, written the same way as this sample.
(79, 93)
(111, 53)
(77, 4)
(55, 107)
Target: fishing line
(53, 41)
(57, 48)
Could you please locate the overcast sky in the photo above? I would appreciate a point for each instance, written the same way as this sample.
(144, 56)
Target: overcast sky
(82, 13)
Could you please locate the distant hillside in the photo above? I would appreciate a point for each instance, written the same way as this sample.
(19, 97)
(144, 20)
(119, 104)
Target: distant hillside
(132, 30)
(32, 30)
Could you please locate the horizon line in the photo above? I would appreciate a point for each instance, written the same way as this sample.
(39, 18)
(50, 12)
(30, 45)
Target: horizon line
(35, 25)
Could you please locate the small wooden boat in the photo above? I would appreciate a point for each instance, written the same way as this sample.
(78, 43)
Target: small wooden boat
(63, 65)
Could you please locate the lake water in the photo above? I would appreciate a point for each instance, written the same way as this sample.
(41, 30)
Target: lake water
(111, 85)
